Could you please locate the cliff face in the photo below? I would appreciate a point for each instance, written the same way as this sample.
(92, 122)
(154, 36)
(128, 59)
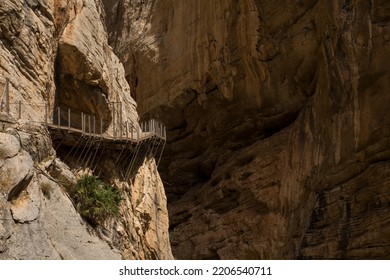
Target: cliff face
(279, 128)
(56, 51)
(38, 219)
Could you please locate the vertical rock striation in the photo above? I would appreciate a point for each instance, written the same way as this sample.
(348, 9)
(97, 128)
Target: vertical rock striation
(38, 219)
(146, 217)
(57, 52)
(278, 120)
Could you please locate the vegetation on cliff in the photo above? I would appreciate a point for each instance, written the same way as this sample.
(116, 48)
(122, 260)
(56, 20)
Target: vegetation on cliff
(95, 200)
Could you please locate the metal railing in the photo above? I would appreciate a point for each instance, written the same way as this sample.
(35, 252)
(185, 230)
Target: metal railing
(5, 103)
(76, 120)
(88, 124)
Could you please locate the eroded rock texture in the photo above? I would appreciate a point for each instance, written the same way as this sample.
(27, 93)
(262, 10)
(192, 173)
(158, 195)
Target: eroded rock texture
(279, 123)
(90, 76)
(145, 216)
(38, 220)
(57, 52)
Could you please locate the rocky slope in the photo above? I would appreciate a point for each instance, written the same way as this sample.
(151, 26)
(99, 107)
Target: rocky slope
(279, 140)
(38, 219)
(56, 52)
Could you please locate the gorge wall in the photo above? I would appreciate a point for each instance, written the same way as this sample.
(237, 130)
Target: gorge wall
(57, 52)
(279, 124)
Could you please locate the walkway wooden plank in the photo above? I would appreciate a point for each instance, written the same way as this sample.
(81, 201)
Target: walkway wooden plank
(64, 126)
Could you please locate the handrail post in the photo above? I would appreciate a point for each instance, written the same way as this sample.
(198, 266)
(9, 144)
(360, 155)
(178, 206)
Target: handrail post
(68, 119)
(7, 96)
(58, 116)
(101, 126)
(46, 113)
(20, 109)
(127, 131)
(113, 118)
(89, 124)
(120, 120)
(94, 125)
(82, 122)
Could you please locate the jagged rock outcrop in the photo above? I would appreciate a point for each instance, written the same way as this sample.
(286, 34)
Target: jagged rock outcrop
(279, 124)
(56, 52)
(90, 76)
(29, 35)
(145, 217)
(38, 219)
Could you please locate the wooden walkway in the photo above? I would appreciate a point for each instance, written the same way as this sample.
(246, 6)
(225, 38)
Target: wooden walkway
(90, 128)
(78, 130)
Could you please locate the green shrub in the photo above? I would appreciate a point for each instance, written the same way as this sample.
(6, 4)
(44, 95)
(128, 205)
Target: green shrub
(95, 200)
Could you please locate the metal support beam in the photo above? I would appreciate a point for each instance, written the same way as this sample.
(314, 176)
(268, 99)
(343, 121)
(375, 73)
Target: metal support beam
(162, 150)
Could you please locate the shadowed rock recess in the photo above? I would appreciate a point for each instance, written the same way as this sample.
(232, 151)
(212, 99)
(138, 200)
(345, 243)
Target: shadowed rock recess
(278, 117)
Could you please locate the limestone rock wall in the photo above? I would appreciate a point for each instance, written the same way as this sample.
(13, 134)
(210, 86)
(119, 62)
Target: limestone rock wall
(90, 76)
(56, 51)
(279, 128)
(29, 35)
(38, 219)
(145, 216)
